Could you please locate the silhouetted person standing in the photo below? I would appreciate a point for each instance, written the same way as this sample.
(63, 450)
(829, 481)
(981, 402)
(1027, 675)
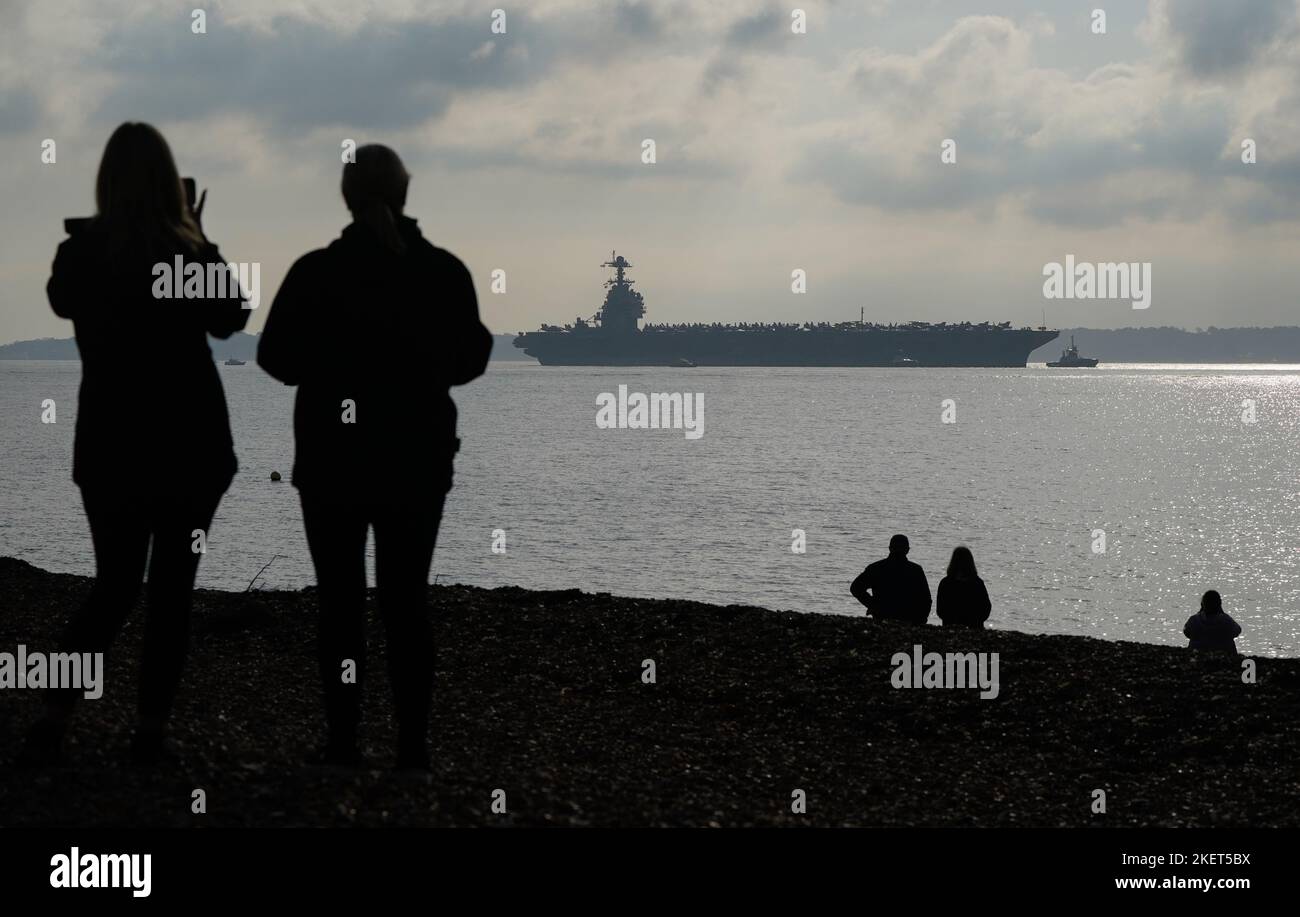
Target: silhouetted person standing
(153, 452)
(1212, 628)
(963, 600)
(894, 588)
(374, 330)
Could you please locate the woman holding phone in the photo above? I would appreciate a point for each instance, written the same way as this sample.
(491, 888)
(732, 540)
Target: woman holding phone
(153, 453)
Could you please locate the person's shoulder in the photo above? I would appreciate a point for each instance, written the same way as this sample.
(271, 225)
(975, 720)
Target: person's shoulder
(86, 238)
(206, 251)
(89, 248)
(73, 248)
(442, 258)
(315, 258)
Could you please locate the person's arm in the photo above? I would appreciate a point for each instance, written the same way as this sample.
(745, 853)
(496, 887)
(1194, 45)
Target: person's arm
(281, 349)
(942, 598)
(923, 610)
(223, 315)
(986, 604)
(1236, 628)
(1188, 629)
(860, 586)
(470, 343)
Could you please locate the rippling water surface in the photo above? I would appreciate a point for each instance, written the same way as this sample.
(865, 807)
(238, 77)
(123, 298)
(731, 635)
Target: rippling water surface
(1189, 496)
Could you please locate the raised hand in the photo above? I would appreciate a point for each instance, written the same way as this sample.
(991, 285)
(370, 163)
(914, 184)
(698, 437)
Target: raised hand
(197, 210)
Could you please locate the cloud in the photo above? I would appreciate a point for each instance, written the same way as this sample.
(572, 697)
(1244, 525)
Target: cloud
(299, 74)
(574, 86)
(767, 30)
(1124, 142)
(19, 110)
(1214, 39)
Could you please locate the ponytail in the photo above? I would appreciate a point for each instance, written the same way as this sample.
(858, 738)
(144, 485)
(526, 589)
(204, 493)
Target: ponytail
(374, 188)
(379, 217)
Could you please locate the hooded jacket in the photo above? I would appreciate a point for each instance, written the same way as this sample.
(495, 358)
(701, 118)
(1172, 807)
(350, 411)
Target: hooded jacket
(151, 416)
(374, 339)
(1212, 632)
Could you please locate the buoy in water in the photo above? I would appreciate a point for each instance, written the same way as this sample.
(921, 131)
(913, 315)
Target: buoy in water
(275, 475)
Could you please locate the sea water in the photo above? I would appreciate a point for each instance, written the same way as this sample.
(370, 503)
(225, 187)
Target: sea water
(1099, 502)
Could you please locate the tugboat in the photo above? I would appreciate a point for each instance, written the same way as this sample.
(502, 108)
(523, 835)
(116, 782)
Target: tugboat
(1070, 358)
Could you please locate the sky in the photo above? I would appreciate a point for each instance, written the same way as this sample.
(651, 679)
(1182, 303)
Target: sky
(775, 151)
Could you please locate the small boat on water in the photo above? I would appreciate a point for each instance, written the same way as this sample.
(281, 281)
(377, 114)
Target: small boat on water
(901, 360)
(1070, 358)
(683, 363)
(233, 362)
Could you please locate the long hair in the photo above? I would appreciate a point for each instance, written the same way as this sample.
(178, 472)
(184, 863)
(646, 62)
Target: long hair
(1212, 603)
(962, 564)
(374, 188)
(138, 191)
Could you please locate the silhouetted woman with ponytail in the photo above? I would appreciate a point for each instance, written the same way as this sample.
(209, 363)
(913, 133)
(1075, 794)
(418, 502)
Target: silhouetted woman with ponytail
(374, 330)
(153, 452)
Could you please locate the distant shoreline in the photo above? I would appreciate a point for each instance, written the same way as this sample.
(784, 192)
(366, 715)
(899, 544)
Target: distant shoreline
(542, 694)
(1116, 345)
(239, 346)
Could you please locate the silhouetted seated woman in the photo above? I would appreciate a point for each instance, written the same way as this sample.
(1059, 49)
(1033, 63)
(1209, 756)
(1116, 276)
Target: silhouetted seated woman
(374, 330)
(153, 453)
(963, 601)
(1212, 628)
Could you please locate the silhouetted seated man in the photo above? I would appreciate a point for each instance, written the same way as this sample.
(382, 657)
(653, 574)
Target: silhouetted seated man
(1212, 628)
(894, 588)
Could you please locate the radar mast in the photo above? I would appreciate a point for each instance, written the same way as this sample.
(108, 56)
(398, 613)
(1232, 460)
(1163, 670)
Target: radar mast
(623, 306)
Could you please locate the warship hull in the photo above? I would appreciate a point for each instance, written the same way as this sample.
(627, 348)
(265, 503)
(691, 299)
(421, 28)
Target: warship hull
(972, 345)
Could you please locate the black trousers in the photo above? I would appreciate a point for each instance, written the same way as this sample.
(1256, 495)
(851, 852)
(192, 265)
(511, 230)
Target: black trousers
(123, 530)
(404, 541)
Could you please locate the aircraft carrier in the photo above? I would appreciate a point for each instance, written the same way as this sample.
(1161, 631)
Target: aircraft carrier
(614, 337)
